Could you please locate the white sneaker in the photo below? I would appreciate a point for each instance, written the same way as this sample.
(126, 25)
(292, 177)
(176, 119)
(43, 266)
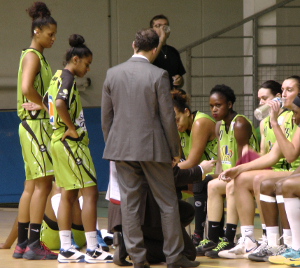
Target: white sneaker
(98, 255)
(70, 255)
(244, 247)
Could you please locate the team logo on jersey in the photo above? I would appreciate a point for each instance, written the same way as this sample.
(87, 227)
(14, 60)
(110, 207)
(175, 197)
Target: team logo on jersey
(269, 146)
(182, 142)
(51, 112)
(80, 121)
(226, 155)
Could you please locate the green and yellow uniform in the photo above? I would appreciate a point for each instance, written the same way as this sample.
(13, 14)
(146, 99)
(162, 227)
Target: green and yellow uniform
(228, 144)
(289, 130)
(72, 161)
(186, 141)
(35, 130)
(270, 138)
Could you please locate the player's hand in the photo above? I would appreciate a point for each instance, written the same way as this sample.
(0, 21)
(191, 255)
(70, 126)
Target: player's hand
(71, 133)
(229, 174)
(177, 80)
(207, 166)
(31, 106)
(274, 112)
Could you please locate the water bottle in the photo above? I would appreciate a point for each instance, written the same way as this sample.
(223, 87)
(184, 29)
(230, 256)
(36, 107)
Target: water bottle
(264, 110)
(166, 28)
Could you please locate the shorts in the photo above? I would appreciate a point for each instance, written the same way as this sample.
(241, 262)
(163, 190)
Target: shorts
(50, 237)
(72, 162)
(35, 140)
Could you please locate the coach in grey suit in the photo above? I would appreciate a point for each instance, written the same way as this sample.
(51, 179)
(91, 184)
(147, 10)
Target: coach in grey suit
(140, 134)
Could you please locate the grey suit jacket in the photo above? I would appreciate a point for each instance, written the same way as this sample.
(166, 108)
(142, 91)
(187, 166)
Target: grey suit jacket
(137, 114)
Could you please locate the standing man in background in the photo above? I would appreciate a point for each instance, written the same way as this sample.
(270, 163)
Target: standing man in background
(140, 134)
(167, 57)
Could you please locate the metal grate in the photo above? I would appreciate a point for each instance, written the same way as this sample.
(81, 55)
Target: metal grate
(243, 104)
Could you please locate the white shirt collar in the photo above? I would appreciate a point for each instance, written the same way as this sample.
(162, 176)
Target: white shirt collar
(139, 56)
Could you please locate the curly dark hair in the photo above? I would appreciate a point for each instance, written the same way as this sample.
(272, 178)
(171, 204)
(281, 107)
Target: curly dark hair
(180, 100)
(78, 48)
(41, 16)
(224, 90)
(146, 40)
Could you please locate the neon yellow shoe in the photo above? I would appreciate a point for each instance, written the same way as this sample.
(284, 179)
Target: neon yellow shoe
(283, 258)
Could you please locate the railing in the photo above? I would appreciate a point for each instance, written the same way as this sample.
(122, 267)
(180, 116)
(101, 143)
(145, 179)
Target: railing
(260, 71)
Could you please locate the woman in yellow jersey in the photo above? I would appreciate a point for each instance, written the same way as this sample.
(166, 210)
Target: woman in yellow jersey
(72, 162)
(251, 178)
(34, 131)
(234, 131)
(198, 142)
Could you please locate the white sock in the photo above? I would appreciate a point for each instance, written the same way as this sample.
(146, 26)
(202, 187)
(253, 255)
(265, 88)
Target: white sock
(287, 237)
(65, 239)
(55, 199)
(292, 208)
(273, 235)
(248, 230)
(80, 199)
(91, 240)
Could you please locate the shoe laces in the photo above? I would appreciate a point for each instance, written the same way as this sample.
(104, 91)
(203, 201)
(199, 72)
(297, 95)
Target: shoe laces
(262, 247)
(46, 249)
(221, 245)
(281, 249)
(203, 242)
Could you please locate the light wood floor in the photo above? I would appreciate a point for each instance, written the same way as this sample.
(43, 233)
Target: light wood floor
(8, 215)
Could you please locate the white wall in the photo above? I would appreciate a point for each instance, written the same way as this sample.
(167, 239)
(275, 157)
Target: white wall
(189, 20)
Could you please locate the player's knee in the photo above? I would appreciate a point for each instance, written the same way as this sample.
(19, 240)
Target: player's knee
(287, 187)
(267, 187)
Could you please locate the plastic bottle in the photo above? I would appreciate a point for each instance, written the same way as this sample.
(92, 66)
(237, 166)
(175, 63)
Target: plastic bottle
(264, 110)
(166, 28)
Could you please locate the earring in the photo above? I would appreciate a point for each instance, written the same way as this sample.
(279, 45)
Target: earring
(35, 32)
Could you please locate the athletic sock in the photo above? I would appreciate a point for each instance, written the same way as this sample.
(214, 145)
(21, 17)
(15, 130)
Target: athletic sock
(230, 231)
(91, 240)
(292, 208)
(55, 199)
(65, 239)
(22, 231)
(200, 213)
(248, 230)
(34, 233)
(214, 230)
(273, 235)
(287, 237)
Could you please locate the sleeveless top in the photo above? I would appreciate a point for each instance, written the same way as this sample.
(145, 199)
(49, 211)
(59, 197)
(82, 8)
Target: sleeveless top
(228, 144)
(41, 83)
(186, 141)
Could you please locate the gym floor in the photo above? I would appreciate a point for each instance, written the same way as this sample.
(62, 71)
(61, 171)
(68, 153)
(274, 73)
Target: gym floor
(8, 215)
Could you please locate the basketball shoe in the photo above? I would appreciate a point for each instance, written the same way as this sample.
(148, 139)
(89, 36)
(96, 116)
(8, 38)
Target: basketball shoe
(38, 251)
(20, 250)
(244, 247)
(70, 255)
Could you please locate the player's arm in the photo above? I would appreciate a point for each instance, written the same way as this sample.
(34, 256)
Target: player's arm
(290, 150)
(202, 132)
(218, 168)
(262, 137)
(30, 67)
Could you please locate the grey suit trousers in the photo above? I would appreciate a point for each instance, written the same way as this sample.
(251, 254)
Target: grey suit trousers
(160, 178)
